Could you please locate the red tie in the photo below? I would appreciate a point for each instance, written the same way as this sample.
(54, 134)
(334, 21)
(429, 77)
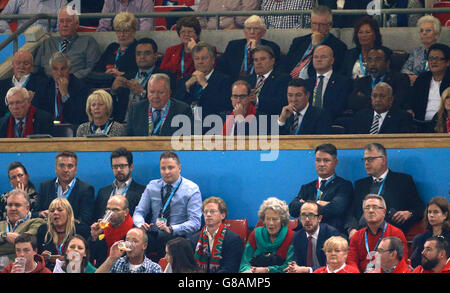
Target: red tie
(309, 253)
(20, 128)
(59, 106)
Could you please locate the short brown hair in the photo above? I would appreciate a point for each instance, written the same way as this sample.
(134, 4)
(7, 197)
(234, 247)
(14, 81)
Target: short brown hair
(220, 203)
(169, 155)
(189, 21)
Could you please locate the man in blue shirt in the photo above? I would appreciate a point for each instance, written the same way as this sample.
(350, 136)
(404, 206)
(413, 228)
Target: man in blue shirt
(175, 203)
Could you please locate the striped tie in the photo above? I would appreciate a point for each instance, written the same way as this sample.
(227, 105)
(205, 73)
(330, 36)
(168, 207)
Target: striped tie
(375, 125)
(64, 46)
(295, 123)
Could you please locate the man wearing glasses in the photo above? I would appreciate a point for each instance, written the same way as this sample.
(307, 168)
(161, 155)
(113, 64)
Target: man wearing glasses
(404, 206)
(390, 251)
(237, 60)
(365, 242)
(124, 184)
(298, 60)
(308, 241)
(331, 192)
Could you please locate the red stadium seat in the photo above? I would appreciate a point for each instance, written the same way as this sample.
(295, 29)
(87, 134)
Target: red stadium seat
(240, 227)
(293, 223)
(163, 263)
(86, 29)
(444, 18)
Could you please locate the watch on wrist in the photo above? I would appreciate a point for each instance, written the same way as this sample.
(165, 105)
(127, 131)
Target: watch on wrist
(170, 230)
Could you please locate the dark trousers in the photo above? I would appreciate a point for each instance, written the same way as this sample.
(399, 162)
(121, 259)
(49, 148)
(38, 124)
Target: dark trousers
(156, 248)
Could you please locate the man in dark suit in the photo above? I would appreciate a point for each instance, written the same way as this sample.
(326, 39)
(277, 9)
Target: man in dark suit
(126, 92)
(79, 194)
(382, 118)
(308, 240)
(331, 192)
(207, 90)
(404, 206)
(269, 86)
(22, 65)
(23, 119)
(122, 166)
(330, 89)
(298, 59)
(299, 117)
(236, 61)
(154, 115)
(378, 62)
(65, 95)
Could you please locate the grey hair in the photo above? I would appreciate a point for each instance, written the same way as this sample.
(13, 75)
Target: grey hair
(377, 147)
(276, 205)
(15, 90)
(384, 85)
(431, 19)
(67, 9)
(17, 191)
(256, 19)
(200, 45)
(59, 57)
(160, 76)
(374, 196)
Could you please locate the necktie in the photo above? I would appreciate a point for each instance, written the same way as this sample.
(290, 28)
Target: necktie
(249, 64)
(322, 184)
(156, 117)
(375, 125)
(318, 93)
(295, 123)
(166, 197)
(259, 84)
(143, 75)
(303, 63)
(309, 253)
(20, 128)
(58, 110)
(64, 46)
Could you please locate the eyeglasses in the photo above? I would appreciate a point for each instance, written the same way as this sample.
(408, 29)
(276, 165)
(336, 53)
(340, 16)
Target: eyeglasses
(308, 216)
(211, 212)
(241, 97)
(381, 250)
(16, 205)
(18, 103)
(431, 59)
(187, 32)
(121, 166)
(375, 208)
(370, 159)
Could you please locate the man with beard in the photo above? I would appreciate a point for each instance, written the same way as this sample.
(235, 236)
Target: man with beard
(435, 256)
(308, 241)
(124, 184)
(119, 224)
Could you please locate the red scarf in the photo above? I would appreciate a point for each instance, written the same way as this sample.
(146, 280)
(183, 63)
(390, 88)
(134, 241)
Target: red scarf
(112, 234)
(28, 125)
(228, 126)
(448, 125)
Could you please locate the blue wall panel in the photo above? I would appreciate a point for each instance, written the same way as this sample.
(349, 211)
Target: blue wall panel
(241, 178)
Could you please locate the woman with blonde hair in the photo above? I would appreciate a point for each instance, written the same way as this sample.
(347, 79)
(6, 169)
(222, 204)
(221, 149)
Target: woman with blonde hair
(442, 117)
(336, 248)
(99, 108)
(61, 225)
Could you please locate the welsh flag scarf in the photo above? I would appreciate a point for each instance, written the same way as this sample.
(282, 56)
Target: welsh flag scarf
(206, 257)
(28, 124)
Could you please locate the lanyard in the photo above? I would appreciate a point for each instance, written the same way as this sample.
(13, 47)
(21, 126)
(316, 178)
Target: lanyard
(319, 192)
(118, 55)
(182, 63)
(57, 108)
(59, 248)
(145, 80)
(373, 81)
(299, 124)
(24, 85)
(68, 191)
(170, 196)
(363, 68)
(124, 191)
(379, 239)
(105, 129)
(60, 46)
(161, 120)
(427, 65)
(16, 224)
(381, 187)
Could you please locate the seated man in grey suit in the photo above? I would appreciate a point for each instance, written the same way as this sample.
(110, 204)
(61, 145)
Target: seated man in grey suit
(122, 166)
(154, 115)
(299, 117)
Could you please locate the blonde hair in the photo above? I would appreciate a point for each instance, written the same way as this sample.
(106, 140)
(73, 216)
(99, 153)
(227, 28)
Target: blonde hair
(103, 96)
(256, 19)
(70, 224)
(125, 20)
(335, 242)
(442, 114)
(276, 205)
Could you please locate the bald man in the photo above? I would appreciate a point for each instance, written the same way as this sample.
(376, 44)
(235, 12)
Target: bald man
(22, 64)
(329, 90)
(119, 224)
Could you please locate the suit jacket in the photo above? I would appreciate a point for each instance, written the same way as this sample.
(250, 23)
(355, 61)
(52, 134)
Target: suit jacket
(214, 99)
(315, 121)
(300, 243)
(399, 192)
(81, 199)
(421, 90)
(36, 84)
(231, 251)
(74, 109)
(362, 89)
(299, 46)
(396, 121)
(133, 195)
(350, 58)
(230, 62)
(42, 123)
(125, 63)
(335, 94)
(138, 119)
(273, 95)
(121, 96)
(339, 192)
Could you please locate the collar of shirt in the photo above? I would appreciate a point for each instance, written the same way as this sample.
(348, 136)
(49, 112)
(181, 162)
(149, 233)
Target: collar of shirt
(127, 183)
(27, 217)
(326, 77)
(383, 116)
(164, 184)
(328, 178)
(59, 188)
(265, 75)
(148, 71)
(315, 235)
(335, 271)
(211, 236)
(303, 111)
(209, 74)
(383, 176)
(163, 109)
(24, 119)
(21, 81)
